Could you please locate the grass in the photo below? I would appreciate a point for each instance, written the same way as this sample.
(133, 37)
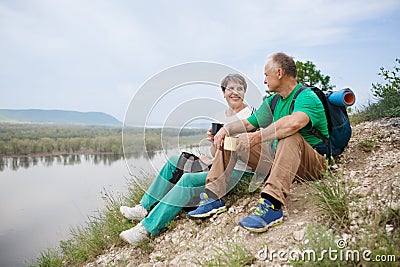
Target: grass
(367, 145)
(241, 189)
(332, 197)
(388, 107)
(50, 258)
(230, 254)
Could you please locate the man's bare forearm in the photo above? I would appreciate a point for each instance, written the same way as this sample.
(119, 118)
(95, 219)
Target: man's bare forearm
(237, 127)
(231, 129)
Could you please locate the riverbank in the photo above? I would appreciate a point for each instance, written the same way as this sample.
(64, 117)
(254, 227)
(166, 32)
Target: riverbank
(18, 140)
(61, 154)
(43, 139)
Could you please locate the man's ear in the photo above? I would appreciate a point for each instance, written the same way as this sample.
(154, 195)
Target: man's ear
(279, 73)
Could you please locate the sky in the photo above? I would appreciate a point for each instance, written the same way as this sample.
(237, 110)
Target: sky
(95, 55)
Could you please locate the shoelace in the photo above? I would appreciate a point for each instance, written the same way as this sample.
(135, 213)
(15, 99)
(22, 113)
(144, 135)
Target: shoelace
(262, 208)
(203, 199)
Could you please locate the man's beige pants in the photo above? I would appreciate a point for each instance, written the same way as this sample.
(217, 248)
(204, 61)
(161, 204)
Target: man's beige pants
(294, 157)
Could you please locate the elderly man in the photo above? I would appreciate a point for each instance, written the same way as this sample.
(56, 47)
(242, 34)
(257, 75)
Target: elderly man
(293, 148)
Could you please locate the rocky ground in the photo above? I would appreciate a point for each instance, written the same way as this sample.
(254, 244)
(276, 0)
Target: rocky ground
(371, 163)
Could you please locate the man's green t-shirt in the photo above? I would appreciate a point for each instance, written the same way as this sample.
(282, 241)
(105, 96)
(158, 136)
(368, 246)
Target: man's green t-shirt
(307, 102)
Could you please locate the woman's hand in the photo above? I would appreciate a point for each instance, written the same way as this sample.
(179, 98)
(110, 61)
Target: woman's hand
(210, 137)
(219, 138)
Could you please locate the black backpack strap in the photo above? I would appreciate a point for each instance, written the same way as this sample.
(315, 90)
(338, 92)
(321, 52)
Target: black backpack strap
(301, 89)
(253, 109)
(273, 103)
(275, 99)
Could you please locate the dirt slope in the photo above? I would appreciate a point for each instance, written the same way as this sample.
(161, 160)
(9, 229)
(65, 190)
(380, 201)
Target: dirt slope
(191, 243)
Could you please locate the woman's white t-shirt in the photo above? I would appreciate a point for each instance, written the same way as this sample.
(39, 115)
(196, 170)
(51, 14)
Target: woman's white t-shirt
(243, 114)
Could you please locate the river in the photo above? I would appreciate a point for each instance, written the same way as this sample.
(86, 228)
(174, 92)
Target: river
(43, 197)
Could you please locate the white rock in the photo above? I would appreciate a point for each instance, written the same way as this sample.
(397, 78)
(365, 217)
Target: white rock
(299, 224)
(394, 205)
(364, 191)
(299, 235)
(389, 228)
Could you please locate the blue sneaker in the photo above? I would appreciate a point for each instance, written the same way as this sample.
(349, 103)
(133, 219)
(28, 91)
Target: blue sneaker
(207, 207)
(264, 217)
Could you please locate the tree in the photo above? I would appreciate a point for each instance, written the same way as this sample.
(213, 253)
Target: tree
(392, 85)
(307, 73)
(388, 104)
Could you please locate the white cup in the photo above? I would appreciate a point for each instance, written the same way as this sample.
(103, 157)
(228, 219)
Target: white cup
(230, 143)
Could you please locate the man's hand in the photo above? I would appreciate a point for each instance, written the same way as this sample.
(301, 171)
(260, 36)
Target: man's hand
(219, 138)
(245, 139)
(232, 128)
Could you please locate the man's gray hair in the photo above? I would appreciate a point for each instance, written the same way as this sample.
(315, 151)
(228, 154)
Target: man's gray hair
(283, 61)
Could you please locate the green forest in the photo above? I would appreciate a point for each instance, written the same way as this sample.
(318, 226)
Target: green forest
(44, 139)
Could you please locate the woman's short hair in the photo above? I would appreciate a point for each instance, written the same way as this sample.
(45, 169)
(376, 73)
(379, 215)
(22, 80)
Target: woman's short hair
(233, 78)
(281, 60)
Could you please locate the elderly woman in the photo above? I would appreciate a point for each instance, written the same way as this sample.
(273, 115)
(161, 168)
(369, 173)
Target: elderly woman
(161, 203)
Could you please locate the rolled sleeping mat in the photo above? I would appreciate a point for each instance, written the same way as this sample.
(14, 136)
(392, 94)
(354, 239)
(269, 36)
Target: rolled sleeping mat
(341, 98)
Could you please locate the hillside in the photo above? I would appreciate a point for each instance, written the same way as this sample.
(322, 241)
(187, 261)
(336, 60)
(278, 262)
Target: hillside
(367, 176)
(57, 117)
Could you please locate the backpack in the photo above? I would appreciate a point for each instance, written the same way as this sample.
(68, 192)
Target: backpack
(188, 162)
(338, 121)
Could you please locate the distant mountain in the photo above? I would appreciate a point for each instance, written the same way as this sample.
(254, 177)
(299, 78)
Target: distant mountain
(57, 117)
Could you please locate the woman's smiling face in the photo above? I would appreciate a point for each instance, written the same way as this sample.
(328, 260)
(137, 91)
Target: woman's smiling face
(234, 93)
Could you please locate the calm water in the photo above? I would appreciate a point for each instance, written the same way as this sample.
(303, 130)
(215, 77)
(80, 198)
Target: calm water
(41, 198)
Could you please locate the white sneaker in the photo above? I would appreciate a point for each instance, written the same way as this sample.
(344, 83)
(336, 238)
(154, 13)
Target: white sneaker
(135, 235)
(136, 213)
